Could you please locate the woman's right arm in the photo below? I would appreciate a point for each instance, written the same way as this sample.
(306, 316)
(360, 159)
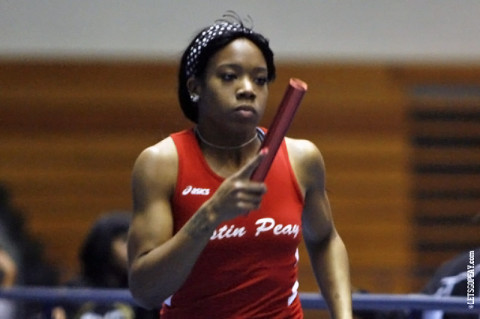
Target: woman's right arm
(160, 261)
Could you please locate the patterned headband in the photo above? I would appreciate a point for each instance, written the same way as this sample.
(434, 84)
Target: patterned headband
(202, 41)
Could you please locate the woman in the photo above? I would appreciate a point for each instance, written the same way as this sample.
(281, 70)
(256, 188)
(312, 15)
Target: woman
(205, 240)
(103, 261)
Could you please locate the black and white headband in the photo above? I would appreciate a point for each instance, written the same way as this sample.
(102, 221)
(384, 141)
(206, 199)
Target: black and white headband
(202, 41)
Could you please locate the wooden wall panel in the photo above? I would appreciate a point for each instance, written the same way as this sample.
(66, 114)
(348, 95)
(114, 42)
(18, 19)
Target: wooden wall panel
(445, 134)
(70, 132)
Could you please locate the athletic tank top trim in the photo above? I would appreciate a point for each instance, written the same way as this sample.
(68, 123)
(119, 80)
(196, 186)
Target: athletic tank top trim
(195, 148)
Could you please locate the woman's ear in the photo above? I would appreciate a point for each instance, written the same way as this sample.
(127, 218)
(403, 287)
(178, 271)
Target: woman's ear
(193, 86)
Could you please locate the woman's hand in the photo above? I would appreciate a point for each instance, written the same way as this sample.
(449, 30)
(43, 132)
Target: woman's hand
(238, 195)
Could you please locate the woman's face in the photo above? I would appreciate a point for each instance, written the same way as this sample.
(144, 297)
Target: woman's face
(235, 85)
(119, 251)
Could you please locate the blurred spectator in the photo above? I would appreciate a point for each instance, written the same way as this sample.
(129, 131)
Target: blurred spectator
(8, 270)
(103, 260)
(456, 277)
(450, 279)
(25, 250)
(11, 232)
(25, 253)
(8, 276)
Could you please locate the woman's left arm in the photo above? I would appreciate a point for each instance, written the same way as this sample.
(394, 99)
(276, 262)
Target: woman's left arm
(328, 254)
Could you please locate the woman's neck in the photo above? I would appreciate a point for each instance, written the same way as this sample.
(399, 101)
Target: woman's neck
(224, 161)
(227, 145)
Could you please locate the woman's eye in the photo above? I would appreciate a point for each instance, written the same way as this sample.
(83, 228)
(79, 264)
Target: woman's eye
(228, 76)
(261, 80)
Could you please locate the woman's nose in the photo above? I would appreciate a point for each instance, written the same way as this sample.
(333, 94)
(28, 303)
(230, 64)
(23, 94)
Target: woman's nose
(246, 90)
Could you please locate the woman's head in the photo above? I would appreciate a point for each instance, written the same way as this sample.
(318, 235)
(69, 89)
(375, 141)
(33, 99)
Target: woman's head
(205, 45)
(103, 250)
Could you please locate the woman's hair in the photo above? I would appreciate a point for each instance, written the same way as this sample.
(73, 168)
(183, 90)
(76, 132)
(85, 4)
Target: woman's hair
(96, 255)
(209, 41)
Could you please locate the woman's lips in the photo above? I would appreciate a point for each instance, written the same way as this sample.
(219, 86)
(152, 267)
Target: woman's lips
(246, 110)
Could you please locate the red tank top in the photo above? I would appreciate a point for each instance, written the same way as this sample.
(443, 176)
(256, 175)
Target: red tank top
(249, 268)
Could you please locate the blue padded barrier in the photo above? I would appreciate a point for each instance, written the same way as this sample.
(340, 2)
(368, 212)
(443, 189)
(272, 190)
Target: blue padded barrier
(309, 300)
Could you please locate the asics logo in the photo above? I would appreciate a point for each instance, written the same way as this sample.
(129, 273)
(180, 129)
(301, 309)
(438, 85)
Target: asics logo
(195, 191)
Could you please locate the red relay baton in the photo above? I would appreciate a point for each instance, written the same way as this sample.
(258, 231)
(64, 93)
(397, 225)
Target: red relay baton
(278, 129)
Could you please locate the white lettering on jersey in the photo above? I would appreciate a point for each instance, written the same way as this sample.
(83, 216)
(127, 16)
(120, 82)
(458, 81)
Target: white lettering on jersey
(228, 232)
(195, 191)
(264, 225)
(268, 224)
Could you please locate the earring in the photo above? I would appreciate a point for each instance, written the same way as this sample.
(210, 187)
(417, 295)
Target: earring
(194, 97)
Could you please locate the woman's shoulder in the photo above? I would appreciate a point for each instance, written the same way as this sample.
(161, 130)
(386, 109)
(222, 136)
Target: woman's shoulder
(162, 151)
(166, 149)
(306, 160)
(157, 161)
(303, 152)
